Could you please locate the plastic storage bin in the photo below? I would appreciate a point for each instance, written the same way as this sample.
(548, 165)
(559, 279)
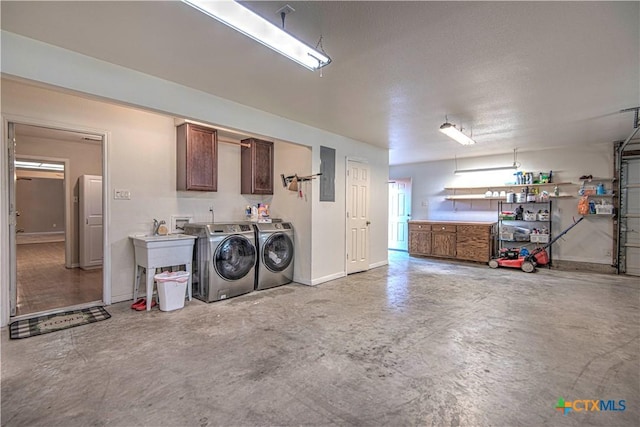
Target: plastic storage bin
(172, 289)
(539, 238)
(604, 209)
(543, 216)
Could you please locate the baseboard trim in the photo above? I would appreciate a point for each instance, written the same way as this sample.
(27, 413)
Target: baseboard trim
(328, 278)
(120, 298)
(302, 282)
(38, 233)
(379, 264)
(583, 266)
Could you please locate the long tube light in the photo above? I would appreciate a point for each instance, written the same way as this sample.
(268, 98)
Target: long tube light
(452, 132)
(497, 168)
(252, 25)
(39, 165)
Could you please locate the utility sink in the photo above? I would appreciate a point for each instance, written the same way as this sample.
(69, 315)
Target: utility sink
(163, 251)
(153, 252)
(151, 238)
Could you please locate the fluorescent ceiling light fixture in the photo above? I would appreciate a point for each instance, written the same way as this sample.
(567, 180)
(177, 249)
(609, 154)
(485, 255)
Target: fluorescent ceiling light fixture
(452, 132)
(497, 168)
(252, 25)
(513, 166)
(39, 165)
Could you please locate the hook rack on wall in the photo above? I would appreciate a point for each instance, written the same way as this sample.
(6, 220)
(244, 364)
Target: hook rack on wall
(292, 181)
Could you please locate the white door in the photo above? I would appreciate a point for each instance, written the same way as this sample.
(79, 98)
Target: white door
(90, 201)
(632, 238)
(399, 213)
(357, 217)
(13, 282)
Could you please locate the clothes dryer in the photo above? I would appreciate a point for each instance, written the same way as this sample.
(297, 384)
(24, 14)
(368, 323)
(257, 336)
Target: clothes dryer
(275, 254)
(224, 260)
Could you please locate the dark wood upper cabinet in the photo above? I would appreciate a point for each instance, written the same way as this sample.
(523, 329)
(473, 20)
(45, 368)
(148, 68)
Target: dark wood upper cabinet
(256, 167)
(197, 155)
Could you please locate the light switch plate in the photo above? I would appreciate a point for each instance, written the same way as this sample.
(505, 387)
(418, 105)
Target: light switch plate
(121, 194)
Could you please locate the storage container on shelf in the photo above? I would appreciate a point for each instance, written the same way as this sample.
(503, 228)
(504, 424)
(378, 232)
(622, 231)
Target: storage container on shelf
(539, 238)
(514, 237)
(604, 209)
(543, 216)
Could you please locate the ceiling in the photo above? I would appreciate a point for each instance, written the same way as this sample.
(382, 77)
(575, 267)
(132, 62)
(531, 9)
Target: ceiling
(517, 75)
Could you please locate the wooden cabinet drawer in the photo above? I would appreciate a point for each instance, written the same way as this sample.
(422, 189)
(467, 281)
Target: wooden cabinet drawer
(473, 249)
(474, 231)
(419, 227)
(444, 227)
(474, 243)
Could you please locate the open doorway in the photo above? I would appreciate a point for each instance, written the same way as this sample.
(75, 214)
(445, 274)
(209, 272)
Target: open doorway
(399, 213)
(49, 164)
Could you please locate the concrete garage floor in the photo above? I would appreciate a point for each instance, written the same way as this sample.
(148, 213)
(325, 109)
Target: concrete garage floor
(419, 342)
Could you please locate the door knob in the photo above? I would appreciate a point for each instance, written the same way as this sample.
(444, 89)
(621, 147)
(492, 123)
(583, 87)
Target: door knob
(368, 222)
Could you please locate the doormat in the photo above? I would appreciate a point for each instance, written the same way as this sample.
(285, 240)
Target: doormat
(55, 322)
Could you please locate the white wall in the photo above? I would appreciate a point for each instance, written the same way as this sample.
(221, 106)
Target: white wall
(141, 154)
(590, 241)
(329, 219)
(291, 159)
(40, 202)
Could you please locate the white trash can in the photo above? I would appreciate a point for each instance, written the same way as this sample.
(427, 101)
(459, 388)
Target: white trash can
(172, 289)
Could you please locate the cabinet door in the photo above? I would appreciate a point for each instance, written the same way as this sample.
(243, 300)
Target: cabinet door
(257, 167)
(473, 243)
(420, 242)
(443, 243)
(197, 158)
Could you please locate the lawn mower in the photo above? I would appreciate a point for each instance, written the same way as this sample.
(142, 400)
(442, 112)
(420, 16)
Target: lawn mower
(525, 260)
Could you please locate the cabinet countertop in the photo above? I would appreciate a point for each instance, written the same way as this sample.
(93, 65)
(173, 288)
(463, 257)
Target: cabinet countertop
(430, 221)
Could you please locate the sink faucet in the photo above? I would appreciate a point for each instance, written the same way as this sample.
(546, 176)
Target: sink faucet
(156, 226)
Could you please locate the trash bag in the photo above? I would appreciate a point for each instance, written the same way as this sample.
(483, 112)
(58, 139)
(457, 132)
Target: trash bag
(583, 206)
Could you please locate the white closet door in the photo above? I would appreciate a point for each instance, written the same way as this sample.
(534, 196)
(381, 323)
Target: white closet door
(90, 200)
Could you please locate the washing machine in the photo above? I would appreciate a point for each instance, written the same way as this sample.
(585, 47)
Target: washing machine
(225, 258)
(275, 254)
